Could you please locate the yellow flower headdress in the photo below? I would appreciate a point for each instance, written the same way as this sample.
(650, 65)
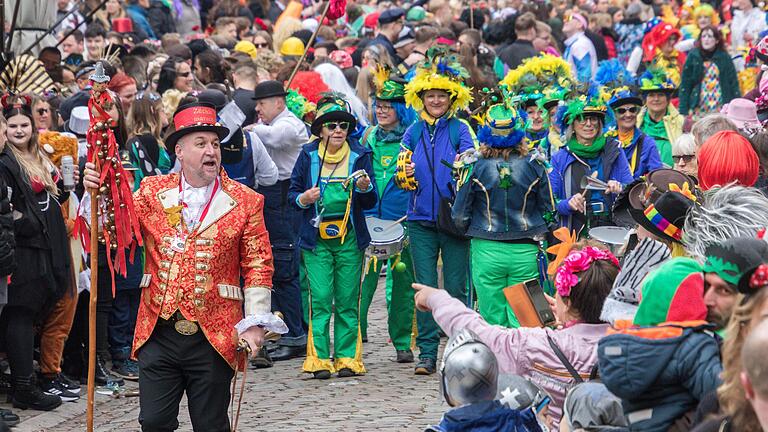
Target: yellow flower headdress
(440, 71)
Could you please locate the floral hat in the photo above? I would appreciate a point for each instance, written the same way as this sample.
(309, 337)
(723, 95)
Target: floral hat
(535, 76)
(618, 83)
(576, 262)
(440, 71)
(657, 77)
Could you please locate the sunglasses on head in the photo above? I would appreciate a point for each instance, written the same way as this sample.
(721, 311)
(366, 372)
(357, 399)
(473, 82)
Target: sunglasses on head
(632, 110)
(336, 125)
(151, 96)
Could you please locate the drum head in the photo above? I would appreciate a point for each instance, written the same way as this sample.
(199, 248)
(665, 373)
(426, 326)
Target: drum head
(383, 231)
(610, 235)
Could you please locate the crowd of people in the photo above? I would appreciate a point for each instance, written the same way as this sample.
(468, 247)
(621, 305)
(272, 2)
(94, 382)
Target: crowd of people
(286, 156)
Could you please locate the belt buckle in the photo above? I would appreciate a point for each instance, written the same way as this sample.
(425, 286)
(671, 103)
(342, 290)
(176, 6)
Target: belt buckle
(598, 207)
(185, 327)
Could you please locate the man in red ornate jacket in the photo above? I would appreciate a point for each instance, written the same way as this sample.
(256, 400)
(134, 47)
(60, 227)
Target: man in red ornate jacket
(202, 233)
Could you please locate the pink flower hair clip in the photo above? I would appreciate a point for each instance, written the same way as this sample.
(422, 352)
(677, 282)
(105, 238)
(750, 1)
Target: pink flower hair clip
(576, 262)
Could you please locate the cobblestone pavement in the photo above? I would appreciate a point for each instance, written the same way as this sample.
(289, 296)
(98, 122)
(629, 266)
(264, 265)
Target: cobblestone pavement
(389, 398)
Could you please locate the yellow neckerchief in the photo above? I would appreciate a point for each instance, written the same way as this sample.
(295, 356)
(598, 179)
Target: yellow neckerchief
(626, 140)
(332, 158)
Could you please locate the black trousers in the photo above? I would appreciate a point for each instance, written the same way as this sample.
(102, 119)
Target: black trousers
(171, 364)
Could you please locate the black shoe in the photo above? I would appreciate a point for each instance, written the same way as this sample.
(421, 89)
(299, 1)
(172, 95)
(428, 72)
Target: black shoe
(365, 339)
(55, 388)
(8, 417)
(322, 374)
(26, 395)
(262, 359)
(425, 366)
(288, 352)
(346, 373)
(104, 377)
(404, 356)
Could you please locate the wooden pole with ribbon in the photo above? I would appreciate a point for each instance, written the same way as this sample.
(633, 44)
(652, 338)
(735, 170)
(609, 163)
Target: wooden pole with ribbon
(113, 222)
(334, 10)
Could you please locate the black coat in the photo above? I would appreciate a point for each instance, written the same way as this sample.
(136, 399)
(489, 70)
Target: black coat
(519, 50)
(7, 239)
(43, 257)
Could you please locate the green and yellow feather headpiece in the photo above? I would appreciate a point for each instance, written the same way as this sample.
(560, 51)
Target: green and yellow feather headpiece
(440, 71)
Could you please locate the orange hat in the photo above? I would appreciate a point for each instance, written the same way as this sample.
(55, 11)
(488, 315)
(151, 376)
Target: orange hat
(727, 157)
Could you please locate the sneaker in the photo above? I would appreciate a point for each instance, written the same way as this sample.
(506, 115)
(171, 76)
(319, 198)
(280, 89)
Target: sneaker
(69, 384)
(127, 369)
(27, 395)
(425, 366)
(54, 388)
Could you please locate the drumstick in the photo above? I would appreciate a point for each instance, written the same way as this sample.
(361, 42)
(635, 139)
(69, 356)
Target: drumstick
(395, 222)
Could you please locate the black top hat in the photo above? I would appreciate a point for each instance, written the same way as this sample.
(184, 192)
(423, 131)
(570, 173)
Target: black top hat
(645, 190)
(268, 89)
(195, 117)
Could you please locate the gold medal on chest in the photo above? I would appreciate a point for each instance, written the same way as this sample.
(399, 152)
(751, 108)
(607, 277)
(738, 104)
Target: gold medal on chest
(185, 327)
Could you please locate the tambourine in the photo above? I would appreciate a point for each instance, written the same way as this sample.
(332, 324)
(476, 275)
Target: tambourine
(402, 180)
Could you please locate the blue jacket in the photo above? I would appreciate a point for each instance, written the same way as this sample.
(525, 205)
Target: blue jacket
(487, 416)
(425, 200)
(139, 16)
(568, 170)
(304, 176)
(659, 379)
(393, 203)
(518, 200)
(648, 154)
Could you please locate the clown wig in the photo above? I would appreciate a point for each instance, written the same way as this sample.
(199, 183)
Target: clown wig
(727, 157)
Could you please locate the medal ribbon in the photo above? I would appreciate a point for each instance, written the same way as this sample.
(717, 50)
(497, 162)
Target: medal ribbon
(207, 207)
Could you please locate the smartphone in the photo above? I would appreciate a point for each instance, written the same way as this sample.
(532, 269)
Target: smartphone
(530, 305)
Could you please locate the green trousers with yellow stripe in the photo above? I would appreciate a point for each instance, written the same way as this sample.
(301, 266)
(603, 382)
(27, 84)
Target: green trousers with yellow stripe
(400, 305)
(333, 273)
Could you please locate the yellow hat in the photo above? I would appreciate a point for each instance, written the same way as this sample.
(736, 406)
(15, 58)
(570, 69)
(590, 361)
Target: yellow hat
(292, 46)
(247, 48)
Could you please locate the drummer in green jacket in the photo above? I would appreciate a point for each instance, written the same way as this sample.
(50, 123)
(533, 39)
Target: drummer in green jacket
(384, 139)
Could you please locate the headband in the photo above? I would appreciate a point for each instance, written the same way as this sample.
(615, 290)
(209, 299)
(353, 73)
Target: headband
(576, 262)
(662, 223)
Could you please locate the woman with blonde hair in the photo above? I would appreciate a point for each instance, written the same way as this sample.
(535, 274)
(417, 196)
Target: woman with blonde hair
(146, 121)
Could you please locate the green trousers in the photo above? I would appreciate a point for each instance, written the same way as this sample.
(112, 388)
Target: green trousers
(399, 294)
(495, 266)
(333, 274)
(427, 245)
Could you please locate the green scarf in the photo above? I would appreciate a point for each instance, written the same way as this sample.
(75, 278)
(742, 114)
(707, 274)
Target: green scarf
(586, 152)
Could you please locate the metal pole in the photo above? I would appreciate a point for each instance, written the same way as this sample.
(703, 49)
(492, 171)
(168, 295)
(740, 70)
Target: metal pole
(13, 25)
(50, 30)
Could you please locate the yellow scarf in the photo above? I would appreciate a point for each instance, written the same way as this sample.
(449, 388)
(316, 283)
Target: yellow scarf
(332, 158)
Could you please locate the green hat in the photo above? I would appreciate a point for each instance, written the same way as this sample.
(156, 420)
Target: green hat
(416, 14)
(672, 292)
(658, 79)
(389, 87)
(332, 107)
(733, 257)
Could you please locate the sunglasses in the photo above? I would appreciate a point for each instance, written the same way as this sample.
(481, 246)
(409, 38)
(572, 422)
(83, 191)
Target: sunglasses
(332, 126)
(631, 110)
(685, 158)
(260, 45)
(151, 96)
(41, 111)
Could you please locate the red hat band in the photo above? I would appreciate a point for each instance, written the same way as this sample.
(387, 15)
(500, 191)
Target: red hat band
(195, 116)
